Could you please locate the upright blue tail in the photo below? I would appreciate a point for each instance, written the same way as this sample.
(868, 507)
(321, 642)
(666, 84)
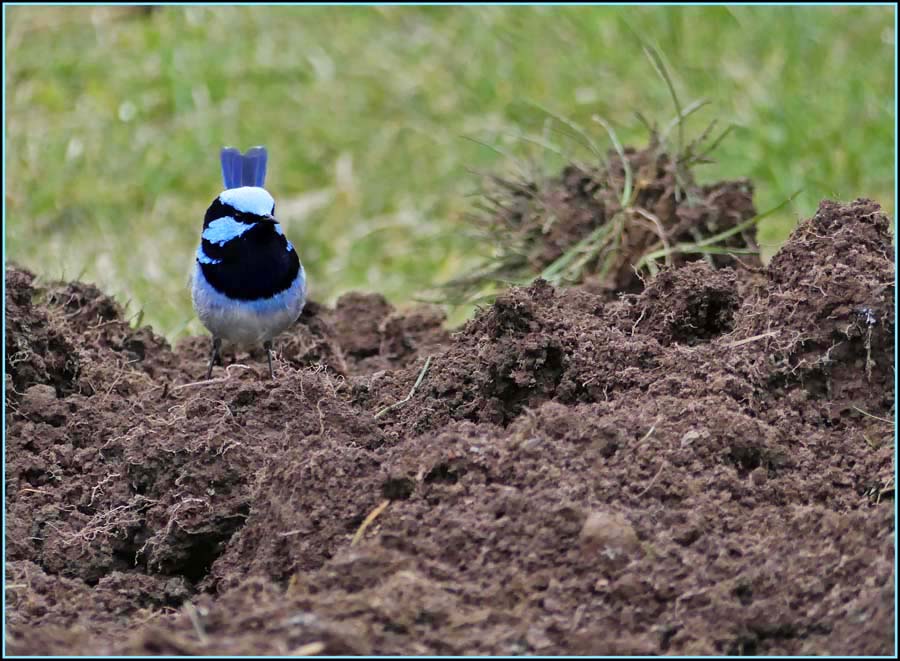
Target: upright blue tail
(244, 169)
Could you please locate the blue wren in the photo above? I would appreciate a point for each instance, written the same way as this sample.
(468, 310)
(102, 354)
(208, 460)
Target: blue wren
(248, 284)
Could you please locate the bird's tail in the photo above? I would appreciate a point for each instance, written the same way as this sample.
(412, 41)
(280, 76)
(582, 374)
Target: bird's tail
(244, 169)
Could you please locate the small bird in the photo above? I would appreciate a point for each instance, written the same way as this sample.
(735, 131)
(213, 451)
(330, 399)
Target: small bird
(248, 284)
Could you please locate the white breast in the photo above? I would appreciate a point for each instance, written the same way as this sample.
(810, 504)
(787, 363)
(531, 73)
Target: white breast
(247, 323)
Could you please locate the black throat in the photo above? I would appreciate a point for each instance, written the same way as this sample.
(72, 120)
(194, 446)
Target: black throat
(257, 264)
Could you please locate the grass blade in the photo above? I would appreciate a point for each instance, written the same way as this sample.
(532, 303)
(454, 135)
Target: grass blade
(572, 125)
(715, 143)
(688, 111)
(660, 67)
(707, 246)
(626, 190)
(550, 272)
(721, 236)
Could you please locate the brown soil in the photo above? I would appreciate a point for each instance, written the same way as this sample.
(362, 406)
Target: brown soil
(701, 468)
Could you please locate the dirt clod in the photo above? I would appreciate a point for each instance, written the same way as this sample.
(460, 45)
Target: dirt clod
(612, 215)
(608, 533)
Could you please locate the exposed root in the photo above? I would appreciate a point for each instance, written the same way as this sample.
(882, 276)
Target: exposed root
(368, 521)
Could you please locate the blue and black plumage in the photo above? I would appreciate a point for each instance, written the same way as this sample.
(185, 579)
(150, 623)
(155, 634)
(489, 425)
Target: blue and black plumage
(248, 283)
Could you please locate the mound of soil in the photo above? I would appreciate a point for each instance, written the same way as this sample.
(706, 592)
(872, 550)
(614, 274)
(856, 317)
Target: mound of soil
(533, 222)
(701, 468)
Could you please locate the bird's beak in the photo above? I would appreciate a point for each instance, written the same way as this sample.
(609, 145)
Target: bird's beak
(269, 219)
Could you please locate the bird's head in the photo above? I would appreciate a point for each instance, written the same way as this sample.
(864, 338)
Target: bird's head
(244, 202)
(247, 204)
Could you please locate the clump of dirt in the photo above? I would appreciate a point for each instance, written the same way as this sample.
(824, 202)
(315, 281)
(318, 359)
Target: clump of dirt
(534, 223)
(36, 352)
(689, 305)
(832, 287)
(60, 333)
(700, 468)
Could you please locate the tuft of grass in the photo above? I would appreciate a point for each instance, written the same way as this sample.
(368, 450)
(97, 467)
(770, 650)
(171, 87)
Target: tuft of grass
(509, 263)
(115, 118)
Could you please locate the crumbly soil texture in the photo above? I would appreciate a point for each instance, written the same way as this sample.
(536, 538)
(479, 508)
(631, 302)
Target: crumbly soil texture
(700, 468)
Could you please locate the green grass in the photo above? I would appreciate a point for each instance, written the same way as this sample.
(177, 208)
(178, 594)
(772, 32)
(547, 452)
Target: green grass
(115, 119)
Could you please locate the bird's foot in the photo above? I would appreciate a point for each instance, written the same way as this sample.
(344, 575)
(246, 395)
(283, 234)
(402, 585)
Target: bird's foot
(214, 356)
(268, 347)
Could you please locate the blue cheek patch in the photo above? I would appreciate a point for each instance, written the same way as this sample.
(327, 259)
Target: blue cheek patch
(223, 230)
(203, 258)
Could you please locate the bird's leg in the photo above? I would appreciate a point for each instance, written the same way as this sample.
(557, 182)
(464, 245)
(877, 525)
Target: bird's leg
(216, 344)
(267, 345)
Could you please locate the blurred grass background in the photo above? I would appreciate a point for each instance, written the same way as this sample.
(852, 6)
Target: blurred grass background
(115, 116)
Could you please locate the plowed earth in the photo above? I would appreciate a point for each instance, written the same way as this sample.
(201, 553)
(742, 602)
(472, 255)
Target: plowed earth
(703, 467)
